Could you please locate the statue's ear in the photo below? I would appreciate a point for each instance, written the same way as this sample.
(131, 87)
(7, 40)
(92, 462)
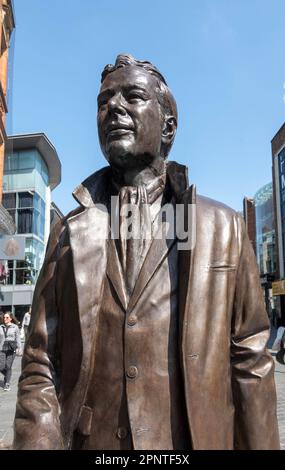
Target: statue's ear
(169, 130)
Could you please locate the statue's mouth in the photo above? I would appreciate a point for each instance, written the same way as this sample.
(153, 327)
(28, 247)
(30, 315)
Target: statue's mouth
(119, 129)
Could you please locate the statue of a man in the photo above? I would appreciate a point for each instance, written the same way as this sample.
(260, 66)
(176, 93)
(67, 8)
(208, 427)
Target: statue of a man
(135, 343)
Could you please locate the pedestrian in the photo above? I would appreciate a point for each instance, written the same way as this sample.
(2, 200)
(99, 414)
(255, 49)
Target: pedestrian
(26, 322)
(10, 344)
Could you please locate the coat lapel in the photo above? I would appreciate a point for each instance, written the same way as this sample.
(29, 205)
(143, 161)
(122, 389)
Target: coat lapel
(178, 181)
(157, 252)
(114, 273)
(88, 237)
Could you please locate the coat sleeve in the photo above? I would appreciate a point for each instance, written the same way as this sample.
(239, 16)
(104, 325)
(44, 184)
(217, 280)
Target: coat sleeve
(37, 424)
(253, 383)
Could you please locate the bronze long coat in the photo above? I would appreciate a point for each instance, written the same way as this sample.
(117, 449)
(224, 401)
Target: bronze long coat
(228, 374)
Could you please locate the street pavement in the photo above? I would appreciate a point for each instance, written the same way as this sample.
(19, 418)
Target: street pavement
(8, 401)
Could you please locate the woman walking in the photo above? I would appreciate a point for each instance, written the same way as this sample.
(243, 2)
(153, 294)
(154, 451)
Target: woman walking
(10, 344)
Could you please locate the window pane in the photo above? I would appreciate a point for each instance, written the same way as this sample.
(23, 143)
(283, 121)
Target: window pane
(34, 252)
(11, 162)
(42, 226)
(25, 220)
(36, 219)
(10, 278)
(25, 276)
(37, 201)
(19, 276)
(26, 160)
(22, 264)
(9, 200)
(43, 207)
(45, 173)
(26, 199)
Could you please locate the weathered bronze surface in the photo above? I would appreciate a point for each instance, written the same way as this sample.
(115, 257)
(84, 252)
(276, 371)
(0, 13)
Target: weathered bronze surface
(135, 343)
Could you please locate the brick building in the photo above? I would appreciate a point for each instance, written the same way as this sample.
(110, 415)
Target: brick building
(7, 25)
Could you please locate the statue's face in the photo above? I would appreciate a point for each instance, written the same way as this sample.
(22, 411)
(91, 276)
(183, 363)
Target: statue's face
(129, 118)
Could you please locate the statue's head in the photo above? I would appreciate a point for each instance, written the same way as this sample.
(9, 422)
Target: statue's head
(137, 114)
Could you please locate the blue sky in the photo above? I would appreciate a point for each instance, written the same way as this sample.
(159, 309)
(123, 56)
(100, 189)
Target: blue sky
(223, 60)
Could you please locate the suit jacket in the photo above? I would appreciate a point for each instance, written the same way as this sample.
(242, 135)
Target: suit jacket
(228, 373)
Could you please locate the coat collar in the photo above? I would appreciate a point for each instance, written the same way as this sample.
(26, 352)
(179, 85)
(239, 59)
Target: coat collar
(96, 188)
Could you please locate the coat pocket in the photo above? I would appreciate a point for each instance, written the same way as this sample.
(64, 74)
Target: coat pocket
(221, 267)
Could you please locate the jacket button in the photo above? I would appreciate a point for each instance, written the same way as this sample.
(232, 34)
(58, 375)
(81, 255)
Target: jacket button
(132, 320)
(122, 433)
(132, 372)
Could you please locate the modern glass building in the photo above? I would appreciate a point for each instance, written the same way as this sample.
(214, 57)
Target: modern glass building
(278, 167)
(260, 221)
(265, 230)
(32, 170)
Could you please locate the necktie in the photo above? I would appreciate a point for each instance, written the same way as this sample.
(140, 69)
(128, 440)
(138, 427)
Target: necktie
(135, 227)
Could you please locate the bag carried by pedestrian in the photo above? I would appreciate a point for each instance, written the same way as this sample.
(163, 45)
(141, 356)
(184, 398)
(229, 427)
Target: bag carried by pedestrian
(9, 345)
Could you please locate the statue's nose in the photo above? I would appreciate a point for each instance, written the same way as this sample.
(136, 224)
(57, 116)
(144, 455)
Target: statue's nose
(116, 104)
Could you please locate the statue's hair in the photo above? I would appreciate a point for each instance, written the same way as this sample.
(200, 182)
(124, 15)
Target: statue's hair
(164, 95)
(124, 60)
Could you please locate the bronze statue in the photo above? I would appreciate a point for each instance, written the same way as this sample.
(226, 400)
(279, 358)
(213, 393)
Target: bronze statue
(133, 342)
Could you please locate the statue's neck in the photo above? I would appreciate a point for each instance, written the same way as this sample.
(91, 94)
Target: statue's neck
(139, 177)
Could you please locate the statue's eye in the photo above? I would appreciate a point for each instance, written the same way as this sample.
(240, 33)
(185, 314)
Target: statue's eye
(134, 96)
(102, 103)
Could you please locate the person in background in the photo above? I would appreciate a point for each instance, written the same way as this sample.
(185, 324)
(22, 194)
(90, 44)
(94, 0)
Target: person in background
(10, 344)
(26, 322)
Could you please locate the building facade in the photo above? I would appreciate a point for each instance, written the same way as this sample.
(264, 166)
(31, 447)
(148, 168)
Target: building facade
(265, 231)
(278, 176)
(32, 170)
(260, 222)
(7, 25)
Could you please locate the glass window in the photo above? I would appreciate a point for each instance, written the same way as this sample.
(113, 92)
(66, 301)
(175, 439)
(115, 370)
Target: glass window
(34, 252)
(43, 207)
(10, 277)
(37, 201)
(9, 200)
(29, 212)
(26, 160)
(26, 199)
(36, 223)
(25, 220)
(25, 272)
(11, 162)
(42, 226)
(44, 171)
(42, 168)
(25, 276)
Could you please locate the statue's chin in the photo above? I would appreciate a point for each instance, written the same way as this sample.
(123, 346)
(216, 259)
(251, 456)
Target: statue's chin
(129, 161)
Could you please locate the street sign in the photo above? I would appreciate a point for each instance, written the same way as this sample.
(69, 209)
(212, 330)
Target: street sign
(278, 287)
